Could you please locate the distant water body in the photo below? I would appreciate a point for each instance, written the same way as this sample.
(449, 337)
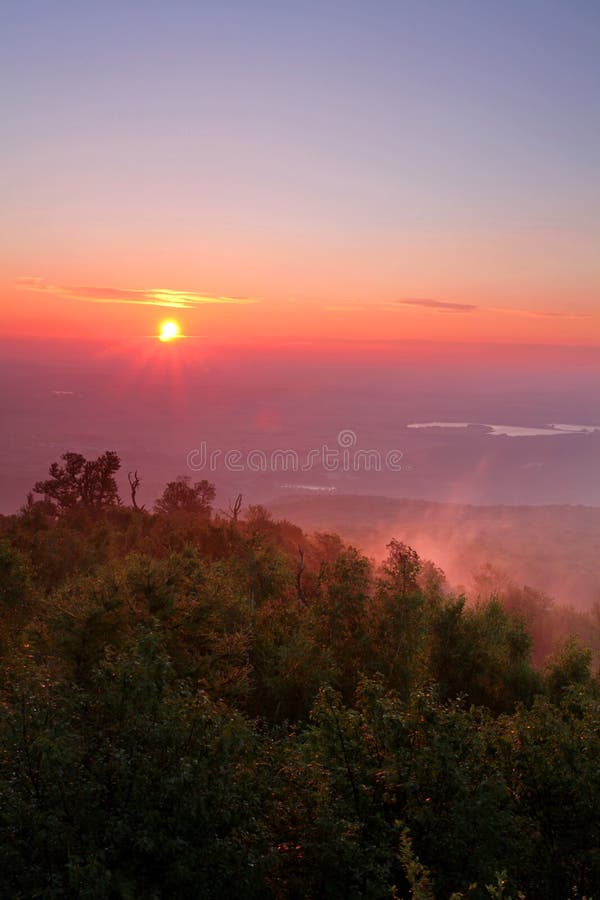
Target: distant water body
(513, 430)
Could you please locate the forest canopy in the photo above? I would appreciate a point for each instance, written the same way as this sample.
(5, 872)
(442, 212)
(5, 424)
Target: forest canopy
(217, 704)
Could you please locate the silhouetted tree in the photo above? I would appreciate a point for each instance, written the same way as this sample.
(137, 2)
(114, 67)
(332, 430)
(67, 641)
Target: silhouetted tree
(82, 482)
(234, 509)
(182, 495)
(134, 482)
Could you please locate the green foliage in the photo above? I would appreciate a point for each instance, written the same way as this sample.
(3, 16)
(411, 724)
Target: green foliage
(196, 706)
(138, 787)
(550, 755)
(571, 666)
(17, 595)
(15, 577)
(481, 653)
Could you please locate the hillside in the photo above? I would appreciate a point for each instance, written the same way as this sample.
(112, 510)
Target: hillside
(551, 548)
(224, 705)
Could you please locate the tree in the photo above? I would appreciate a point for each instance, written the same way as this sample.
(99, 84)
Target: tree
(402, 566)
(398, 620)
(571, 665)
(134, 482)
(181, 495)
(15, 576)
(234, 509)
(82, 482)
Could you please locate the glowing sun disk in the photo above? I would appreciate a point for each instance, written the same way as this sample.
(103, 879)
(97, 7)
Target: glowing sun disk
(169, 330)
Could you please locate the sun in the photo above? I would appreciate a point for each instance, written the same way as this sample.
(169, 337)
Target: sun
(169, 330)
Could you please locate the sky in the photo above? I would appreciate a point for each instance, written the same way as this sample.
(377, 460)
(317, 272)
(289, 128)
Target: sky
(273, 172)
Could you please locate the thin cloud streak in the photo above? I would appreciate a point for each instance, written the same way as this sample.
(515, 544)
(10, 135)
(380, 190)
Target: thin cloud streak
(439, 304)
(448, 306)
(163, 297)
(539, 313)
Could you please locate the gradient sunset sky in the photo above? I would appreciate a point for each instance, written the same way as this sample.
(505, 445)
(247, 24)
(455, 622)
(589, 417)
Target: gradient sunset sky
(274, 171)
